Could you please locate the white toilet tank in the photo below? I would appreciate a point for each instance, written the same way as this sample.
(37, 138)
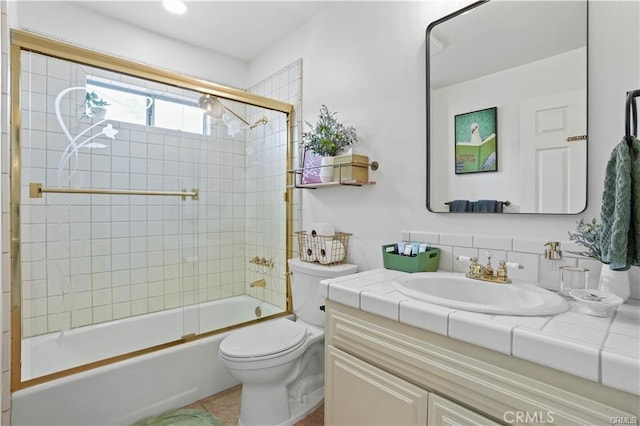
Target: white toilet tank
(305, 286)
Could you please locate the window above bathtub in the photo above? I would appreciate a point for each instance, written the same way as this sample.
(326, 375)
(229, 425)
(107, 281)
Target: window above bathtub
(144, 106)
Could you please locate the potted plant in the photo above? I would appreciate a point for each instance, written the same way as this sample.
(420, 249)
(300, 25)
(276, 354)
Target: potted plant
(327, 139)
(94, 106)
(589, 236)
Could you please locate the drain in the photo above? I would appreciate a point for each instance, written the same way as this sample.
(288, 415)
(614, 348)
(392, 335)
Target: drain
(258, 311)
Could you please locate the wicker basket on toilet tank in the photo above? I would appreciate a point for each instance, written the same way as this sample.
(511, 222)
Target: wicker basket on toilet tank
(324, 249)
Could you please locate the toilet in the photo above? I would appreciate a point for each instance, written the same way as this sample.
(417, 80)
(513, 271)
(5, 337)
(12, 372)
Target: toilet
(281, 362)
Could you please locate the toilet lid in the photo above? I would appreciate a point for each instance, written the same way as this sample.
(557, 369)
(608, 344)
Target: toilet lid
(264, 339)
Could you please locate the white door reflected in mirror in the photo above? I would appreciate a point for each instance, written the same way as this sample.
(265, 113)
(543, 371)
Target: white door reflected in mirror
(547, 152)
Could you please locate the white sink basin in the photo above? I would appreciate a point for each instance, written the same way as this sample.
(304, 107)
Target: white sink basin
(456, 291)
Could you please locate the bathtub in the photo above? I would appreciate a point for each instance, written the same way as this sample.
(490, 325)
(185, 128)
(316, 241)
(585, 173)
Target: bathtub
(126, 391)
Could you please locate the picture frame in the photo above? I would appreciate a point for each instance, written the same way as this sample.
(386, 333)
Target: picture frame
(476, 141)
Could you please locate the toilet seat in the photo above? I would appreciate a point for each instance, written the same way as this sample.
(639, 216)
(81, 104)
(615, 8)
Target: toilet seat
(263, 341)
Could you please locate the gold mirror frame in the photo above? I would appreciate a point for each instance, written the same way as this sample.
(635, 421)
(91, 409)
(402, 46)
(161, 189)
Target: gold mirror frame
(25, 41)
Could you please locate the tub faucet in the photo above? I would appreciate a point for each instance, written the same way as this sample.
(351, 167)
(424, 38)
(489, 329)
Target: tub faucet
(259, 283)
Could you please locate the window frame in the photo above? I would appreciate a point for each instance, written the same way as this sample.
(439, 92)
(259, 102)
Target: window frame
(150, 115)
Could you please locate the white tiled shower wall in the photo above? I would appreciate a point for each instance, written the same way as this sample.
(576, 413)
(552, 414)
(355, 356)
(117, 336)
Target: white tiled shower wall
(525, 251)
(89, 259)
(266, 179)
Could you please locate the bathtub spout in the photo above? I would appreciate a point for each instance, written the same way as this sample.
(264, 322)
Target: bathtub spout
(259, 283)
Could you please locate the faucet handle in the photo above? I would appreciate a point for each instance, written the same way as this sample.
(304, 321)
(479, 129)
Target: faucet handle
(488, 270)
(501, 272)
(514, 265)
(475, 269)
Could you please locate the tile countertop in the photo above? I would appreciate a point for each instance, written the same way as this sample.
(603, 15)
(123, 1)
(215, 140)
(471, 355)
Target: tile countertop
(604, 350)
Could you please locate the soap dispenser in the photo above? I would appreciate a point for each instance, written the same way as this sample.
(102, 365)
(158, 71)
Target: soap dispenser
(550, 266)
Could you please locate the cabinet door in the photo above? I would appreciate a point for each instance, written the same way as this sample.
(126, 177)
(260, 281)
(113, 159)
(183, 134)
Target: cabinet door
(443, 412)
(358, 393)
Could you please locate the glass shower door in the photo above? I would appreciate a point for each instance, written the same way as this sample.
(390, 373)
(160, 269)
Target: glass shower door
(108, 215)
(138, 209)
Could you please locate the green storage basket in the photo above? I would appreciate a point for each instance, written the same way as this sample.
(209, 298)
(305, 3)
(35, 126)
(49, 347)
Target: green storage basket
(426, 261)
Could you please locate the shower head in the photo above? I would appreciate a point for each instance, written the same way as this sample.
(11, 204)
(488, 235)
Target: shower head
(262, 121)
(215, 108)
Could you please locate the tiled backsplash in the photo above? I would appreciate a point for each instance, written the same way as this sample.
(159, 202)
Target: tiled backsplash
(525, 251)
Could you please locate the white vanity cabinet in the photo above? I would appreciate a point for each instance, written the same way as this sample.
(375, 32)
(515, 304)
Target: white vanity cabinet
(382, 372)
(364, 394)
(443, 412)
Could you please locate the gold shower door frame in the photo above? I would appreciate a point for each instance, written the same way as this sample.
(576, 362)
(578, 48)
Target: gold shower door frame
(25, 41)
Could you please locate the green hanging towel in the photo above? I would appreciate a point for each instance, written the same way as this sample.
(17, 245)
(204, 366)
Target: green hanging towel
(620, 213)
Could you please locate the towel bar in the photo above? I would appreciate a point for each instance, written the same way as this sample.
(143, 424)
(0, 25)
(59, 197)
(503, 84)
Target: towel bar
(504, 203)
(630, 112)
(36, 190)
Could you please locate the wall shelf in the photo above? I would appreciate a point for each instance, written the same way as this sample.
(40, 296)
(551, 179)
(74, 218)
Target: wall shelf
(338, 182)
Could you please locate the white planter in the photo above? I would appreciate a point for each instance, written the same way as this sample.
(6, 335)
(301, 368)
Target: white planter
(616, 282)
(99, 113)
(326, 171)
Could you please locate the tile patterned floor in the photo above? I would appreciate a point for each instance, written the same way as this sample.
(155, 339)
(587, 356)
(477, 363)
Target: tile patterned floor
(226, 407)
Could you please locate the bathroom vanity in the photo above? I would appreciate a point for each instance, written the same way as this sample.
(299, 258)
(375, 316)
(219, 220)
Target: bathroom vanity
(392, 360)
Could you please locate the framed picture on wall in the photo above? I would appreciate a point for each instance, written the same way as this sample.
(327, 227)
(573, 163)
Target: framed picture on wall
(476, 141)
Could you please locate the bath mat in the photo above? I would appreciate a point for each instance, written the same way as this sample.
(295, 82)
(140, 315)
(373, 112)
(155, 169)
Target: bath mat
(183, 416)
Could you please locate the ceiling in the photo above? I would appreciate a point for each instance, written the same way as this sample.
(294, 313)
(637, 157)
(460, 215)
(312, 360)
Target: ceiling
(238, 29)
(500, 35)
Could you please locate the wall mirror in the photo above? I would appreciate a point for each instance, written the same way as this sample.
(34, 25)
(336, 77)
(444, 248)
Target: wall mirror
(507, 108)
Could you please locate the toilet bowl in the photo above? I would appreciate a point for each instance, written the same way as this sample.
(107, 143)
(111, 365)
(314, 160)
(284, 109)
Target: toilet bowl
(281, 362)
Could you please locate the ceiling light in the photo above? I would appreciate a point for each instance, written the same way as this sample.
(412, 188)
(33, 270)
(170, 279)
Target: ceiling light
(175, 6)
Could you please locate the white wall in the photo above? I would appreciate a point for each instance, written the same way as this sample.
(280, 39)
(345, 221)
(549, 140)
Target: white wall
(505, 90)
(366, 61)
(86, 28)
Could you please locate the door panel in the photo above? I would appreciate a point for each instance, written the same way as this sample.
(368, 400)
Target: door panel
(554, 178)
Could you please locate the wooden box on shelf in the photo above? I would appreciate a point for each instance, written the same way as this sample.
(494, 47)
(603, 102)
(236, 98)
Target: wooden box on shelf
(354, 167)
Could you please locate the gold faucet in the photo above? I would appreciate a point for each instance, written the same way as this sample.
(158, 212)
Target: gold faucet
(485, 273)
(261, 261)
(259, 283)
